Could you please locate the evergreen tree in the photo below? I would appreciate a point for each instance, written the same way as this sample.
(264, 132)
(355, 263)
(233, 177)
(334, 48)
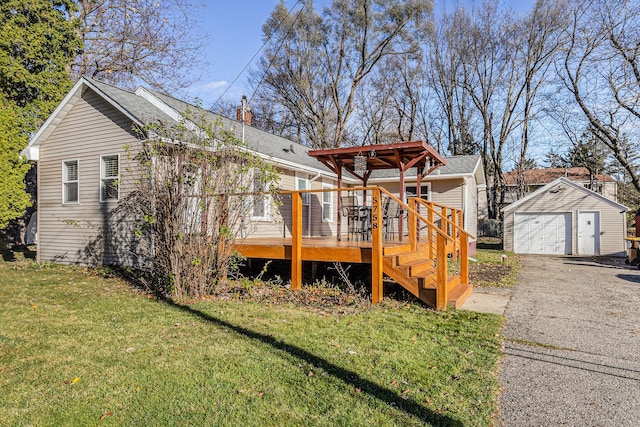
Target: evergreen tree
(37, 44)
(13, 199)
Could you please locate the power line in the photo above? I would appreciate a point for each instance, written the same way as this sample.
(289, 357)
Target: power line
(260, 50)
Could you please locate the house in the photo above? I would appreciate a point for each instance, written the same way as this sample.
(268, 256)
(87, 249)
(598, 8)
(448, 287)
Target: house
(85, 168)
(564, 217)
(83, 142)
(460, 184)
(81, 157)
(536, 178)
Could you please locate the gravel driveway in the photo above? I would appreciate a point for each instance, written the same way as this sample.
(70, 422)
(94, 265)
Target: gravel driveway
(572, 344)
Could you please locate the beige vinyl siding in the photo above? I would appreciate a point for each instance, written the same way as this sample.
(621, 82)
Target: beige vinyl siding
(573, 201)
(448, 192)
(279, 222)
(451, 193)
(74, 233)
(279, 218)
(471, 211)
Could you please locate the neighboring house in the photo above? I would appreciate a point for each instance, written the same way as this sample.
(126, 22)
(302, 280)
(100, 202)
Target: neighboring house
(460, 185)
(536, 178)
(85, 169)
(565, 218)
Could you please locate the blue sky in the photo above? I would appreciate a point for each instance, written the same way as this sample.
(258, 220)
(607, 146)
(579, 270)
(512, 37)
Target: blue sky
(235, 36)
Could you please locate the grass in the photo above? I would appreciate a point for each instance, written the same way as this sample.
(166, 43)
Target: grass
(494, 268)
(80, 348)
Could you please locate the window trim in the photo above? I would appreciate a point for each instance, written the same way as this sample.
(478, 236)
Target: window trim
(66, 181)
(267, 202)
(327, 186)
(306, 197)
(422, 195)
(103, 178)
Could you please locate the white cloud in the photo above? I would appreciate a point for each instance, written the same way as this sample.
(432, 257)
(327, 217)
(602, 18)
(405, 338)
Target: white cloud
(213, 86)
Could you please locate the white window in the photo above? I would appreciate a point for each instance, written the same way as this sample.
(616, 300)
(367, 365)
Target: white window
(411, 191)
(109, 177)
(327, 203)
(303, 184)
(260, 208)
(70, 181)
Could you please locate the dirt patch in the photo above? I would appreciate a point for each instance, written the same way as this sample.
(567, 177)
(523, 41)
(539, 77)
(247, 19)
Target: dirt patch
(488, 274)
(316, 297)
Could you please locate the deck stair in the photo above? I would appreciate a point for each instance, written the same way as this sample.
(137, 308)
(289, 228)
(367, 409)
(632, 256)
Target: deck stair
(430, 260)
(416, 272)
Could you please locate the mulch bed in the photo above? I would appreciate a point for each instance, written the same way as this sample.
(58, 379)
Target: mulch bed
(488, 274)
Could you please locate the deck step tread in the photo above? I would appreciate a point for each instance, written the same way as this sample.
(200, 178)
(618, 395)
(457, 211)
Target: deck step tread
(459, 295)
(396, 250)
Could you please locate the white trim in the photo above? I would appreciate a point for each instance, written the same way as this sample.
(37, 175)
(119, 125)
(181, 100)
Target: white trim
(103, 177)
(306, 197)
(266, 202)
(32, 152)
(170, 111)
(565, 181)
(426, 178)
(465, 211)
(422, 184)
(330, 203)
(65, 181)
(597, 242)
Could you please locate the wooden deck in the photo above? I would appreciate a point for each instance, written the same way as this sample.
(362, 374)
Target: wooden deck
(322, 249)
(419, 264)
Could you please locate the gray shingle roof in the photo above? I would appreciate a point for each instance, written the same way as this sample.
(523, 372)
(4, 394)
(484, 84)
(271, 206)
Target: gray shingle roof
(456, 165)
(276, 147)
(138, 107)
(258, 140)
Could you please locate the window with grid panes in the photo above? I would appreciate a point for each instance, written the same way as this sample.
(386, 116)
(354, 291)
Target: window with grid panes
(109, 177)
(70, 181)
(327, 203)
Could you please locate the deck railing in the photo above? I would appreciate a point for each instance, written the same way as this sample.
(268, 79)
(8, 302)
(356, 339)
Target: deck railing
(434, 230)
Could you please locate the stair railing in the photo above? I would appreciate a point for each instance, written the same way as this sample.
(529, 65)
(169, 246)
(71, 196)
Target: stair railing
(436, 245)
(454, 229)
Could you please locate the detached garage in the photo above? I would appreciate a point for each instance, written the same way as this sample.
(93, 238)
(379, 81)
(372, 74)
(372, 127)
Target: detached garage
(565, 218)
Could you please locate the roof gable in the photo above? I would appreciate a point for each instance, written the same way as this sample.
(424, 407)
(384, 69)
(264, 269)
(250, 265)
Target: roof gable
(563, 181)
(456, 167)
(133, 107)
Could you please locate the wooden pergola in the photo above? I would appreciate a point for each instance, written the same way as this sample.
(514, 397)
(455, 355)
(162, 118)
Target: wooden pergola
(401, 156)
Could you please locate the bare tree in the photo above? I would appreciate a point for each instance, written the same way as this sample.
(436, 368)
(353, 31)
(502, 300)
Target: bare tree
(600, 68)
(191, 204)
(126, 42)
(388, 106)
(315, 64)
(538, 46)
(446, 49)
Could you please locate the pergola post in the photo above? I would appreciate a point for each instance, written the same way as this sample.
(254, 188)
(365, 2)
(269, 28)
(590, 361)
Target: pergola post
(296, 240)
(402, 198)
(376, 247)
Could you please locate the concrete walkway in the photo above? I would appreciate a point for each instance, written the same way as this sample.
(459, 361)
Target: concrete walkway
(572, 344)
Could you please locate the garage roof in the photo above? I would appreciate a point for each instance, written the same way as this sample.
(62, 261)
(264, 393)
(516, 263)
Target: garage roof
(557, 186)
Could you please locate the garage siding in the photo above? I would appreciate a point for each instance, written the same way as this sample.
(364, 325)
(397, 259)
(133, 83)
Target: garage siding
(562, 197)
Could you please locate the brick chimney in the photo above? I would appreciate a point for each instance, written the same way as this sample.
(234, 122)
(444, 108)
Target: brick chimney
(248, 115)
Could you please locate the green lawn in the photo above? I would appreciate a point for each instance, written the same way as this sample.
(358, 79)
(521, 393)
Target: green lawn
(76, 347)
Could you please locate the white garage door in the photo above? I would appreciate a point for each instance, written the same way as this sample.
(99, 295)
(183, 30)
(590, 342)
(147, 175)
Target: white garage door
(548, 233)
